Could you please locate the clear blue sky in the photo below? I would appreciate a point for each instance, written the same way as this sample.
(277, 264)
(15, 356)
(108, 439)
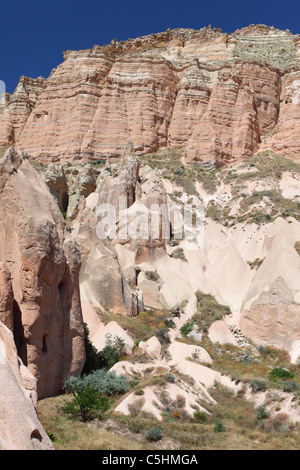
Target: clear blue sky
(34, 34)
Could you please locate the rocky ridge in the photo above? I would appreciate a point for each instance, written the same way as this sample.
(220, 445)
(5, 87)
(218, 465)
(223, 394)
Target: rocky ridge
(216, 95)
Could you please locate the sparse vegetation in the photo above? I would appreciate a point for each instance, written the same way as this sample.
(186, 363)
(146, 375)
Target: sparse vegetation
(208, 311)
(3, 150)
(258, 385)
(152, 276)
(178, 253)
(168, 161)
(262, 413)
(256, 263)
(143, 326)
(154, 434)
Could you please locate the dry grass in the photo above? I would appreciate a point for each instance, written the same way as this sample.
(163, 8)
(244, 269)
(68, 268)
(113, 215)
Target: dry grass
(141, 327)
(3, 150)
(118, 432)
(73, 434)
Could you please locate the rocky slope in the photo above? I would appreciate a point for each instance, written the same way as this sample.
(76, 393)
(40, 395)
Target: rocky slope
(218, 96)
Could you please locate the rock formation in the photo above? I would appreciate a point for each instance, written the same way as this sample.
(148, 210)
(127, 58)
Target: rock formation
(41, 263)
(213, 94)
(109, 152)
(18, 108)
(20, 428)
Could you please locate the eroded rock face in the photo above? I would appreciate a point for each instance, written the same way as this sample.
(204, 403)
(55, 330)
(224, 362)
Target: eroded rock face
(6, 297)
(102, 280)
(285, 140)
(213, 94)
(18, 108)
(43, 261)
(20, 428)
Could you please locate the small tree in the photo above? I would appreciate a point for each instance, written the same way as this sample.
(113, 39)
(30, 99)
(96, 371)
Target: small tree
(93, 358)
(86, 403)
(113, 351)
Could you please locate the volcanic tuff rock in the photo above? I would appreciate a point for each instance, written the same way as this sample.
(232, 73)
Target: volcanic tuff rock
(247, 259)
(19, 425)
(41, 263)
(218, 96)
(102, 280)
(18, 108)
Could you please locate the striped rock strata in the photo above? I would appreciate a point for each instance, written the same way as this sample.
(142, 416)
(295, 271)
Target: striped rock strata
(217, 96)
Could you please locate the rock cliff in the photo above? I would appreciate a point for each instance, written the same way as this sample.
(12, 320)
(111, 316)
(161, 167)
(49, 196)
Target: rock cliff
(40, 299)
(218, 96)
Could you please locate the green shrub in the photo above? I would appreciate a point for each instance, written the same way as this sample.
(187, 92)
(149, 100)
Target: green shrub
(262, 413)
(113, 351)
(219, 426)
(152, 276)
(171, 378)
(200, 416)
(179, 254)
(280, 373)
(93, 359)
(86, 403)
(169, 323)
(100, 380)
(186, 328)
(289, 386)
(51, 436)
(111, 354)
(154, 434)
(258, 386)
(163, 335)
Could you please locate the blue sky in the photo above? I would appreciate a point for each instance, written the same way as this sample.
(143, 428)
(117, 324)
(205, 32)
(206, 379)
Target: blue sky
(34, 34)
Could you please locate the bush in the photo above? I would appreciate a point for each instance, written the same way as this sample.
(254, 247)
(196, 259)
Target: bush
(289, 386)
(262, 413)
(100, 381)
(280, 420)
(113, 351)
(163, 336)
(169, 323)
(186, 328)
(93, 359)
(279, 373)
(258, 386)
(152, 276)
(209, 311)
(86, 403)
(200, 416)
(154, 434)
(219, 426)
(170, 378)
(178, 254)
